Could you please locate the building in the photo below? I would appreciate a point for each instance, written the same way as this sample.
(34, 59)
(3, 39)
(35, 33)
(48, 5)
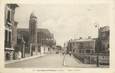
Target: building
(45, 39)
(92, 50)
(83, 49)
(33, 33)
(23, 36)
(102, 44)
(20, 46)
(10, 31)
(103, 39)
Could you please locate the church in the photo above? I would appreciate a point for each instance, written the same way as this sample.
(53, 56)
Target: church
(37, 40)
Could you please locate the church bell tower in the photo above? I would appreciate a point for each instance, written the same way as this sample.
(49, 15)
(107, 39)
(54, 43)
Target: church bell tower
(33, 34)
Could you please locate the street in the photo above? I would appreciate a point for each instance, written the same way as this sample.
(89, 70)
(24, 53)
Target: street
(50, 60)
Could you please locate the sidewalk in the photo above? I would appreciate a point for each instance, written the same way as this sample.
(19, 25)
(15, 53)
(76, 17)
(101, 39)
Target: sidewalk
(70, 61)
(26, 58)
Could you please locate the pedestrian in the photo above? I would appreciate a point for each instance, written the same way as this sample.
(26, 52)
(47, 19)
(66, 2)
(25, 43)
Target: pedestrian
(7, 56)
(19, 55)
(63, 53)
(70, 53)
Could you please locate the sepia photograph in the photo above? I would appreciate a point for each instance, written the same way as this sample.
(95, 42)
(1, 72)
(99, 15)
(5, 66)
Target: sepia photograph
(56, 35)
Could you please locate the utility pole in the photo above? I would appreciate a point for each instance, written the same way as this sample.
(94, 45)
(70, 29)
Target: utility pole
(97, 52)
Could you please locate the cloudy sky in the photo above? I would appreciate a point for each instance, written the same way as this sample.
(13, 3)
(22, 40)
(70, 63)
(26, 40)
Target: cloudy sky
(65, 21)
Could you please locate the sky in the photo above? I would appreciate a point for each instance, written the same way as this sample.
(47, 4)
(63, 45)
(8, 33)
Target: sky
(65, 21)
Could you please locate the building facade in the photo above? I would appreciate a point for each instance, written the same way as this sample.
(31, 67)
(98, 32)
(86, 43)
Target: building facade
(10, 31)
(92, 50)
(104, 39)
(45, 39)
(102, 44)
(83, 49)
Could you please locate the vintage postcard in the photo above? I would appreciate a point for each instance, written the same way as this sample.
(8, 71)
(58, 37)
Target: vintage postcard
(57, 36)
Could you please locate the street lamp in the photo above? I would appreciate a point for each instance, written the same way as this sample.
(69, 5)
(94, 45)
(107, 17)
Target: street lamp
(97, 52)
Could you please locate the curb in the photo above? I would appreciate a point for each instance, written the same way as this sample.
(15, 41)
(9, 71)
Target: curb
(27, 58)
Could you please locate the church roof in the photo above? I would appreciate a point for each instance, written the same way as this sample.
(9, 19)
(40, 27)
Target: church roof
(39, 30)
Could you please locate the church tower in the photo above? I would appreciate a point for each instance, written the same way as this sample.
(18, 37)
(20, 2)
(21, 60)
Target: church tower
(33, 33)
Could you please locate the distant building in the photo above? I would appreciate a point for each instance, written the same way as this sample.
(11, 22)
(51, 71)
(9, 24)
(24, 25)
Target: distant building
(10, 31)
(102, 44)
(87, 50)
(83, 49)
(103, 40)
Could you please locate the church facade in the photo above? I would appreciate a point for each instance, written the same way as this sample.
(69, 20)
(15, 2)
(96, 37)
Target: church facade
(37, 40)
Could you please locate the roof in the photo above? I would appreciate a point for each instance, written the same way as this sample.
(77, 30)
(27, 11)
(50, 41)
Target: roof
(105, 28)
(23, 29)
(82, 40)
(43, 30)
(39, 30)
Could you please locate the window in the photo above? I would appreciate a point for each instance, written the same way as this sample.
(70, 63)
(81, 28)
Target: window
(6, 32)
(6, 36)
(9, 41)
(81, 46)
(92, 51)
(9, 16)
(73, 50)
(9, 37)
(79, 51)
(87, 51)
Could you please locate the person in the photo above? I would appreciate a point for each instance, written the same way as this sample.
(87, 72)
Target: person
(70, 53)
(8, 56)
(19, 55)
(63, 53)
